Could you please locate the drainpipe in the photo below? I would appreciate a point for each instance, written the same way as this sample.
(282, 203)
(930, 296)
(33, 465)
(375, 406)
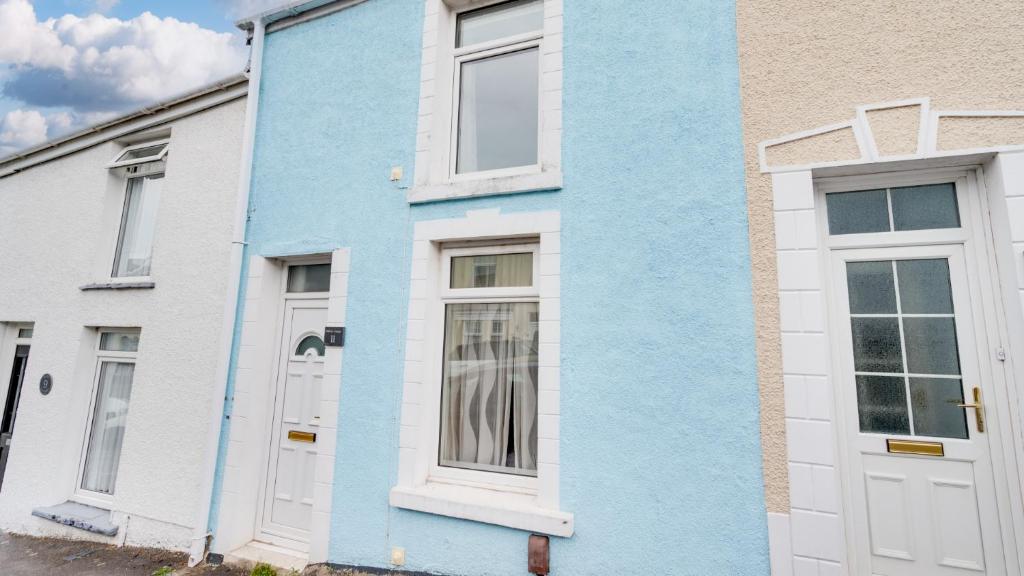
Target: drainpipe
(201, 533)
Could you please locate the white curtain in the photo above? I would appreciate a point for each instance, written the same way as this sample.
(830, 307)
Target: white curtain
(489, 401)
(108, 424)
(138, 228)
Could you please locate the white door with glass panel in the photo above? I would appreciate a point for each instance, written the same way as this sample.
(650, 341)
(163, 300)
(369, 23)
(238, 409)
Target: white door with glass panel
(912, 387)
(288, 493)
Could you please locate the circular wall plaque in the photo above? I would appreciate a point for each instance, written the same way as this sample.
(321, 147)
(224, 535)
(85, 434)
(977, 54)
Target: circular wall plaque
(45, 384)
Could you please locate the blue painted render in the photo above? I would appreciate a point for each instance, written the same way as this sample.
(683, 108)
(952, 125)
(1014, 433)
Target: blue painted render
(660, 450)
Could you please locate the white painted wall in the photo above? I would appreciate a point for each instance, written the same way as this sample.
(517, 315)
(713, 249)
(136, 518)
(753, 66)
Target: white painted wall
(60, 222)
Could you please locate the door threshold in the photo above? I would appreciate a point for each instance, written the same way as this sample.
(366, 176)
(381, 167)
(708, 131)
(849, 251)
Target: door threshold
(262, 553)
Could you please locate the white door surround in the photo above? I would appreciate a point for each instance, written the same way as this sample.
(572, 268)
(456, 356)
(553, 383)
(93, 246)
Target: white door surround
(818, 535)
(251, 419)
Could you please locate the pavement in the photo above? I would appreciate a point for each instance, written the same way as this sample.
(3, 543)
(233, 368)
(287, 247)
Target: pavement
(27, 556)
(30, 556)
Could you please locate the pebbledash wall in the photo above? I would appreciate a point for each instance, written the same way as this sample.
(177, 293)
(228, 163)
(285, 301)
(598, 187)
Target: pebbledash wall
(659, 439)
(64, 219)
(842, 85)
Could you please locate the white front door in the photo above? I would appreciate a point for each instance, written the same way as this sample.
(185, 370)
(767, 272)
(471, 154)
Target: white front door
(920, 470)
(288, 493)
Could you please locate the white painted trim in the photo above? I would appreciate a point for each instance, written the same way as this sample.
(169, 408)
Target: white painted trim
(818, 493)
(255, 380)
(862, 119)
(551, 180)
(762, 147)
(115, 163)
(780, 550)
(434, 177)
(487, 497)
(330, 396)
(1003, 186)
(927, 139)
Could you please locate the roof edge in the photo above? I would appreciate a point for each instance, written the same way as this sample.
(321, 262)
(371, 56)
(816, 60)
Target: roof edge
(291, 9)
(230, 83)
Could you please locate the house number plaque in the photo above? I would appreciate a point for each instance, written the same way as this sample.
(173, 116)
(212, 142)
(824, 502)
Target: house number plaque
(334, 336)
(45, 384)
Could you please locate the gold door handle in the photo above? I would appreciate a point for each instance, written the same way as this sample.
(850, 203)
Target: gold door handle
(979, 409)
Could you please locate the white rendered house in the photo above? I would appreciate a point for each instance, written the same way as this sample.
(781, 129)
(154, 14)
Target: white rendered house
(115, 247)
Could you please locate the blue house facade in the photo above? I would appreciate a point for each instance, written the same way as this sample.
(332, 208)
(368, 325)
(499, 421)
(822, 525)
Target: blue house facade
(496, 284)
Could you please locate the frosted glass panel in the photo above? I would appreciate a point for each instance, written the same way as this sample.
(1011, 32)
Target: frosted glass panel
(309, 278)
(882, 405)
(931, 346)
(119, 341)
(925, 207)
(492, 271)
(857, 212)
(924, 286)
(936, 413)
(872, 288)
(498, 112)
(876, 345)
(501, 21)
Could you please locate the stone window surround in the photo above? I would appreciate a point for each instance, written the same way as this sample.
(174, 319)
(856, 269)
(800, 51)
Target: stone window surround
(495, 500)
(432, 179)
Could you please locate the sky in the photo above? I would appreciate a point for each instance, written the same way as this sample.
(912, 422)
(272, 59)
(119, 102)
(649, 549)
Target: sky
(69, 64)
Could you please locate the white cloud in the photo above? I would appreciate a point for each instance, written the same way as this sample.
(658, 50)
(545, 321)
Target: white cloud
(22, 128)
(101, 63)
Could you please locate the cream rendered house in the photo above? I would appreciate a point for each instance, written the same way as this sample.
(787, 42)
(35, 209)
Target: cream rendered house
(114, 248)
(885, 170)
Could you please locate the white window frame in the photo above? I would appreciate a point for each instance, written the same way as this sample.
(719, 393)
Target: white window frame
(116, 162)
(523, 502)
(437, 133)
(448, 295)
(81, 494)
(113, 262)
(483, 51)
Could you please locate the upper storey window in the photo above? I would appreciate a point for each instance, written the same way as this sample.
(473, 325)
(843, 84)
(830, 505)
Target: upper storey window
(143, 167)
(491, 99)
(497, 58)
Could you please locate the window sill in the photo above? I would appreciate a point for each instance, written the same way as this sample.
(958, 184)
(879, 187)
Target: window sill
(489, 506)
(134, 284)
(486, 187)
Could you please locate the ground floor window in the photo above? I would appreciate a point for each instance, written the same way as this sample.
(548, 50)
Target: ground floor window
(489, 367)
(115, 370)
(489, 391)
